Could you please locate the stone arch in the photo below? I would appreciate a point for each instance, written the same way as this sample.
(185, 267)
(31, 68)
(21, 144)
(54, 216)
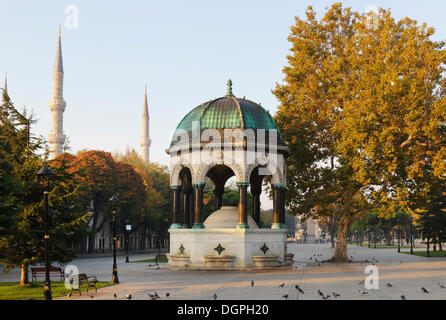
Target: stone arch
(205, 167)
(175, 179)
(276, 178)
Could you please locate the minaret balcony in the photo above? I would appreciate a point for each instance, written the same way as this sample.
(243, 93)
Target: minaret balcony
(145, 142)
(57, 138)
(58, 104)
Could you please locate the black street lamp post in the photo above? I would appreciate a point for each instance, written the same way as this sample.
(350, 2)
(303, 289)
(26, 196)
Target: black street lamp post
(128, 227)
(115, 279)
(44, 175)
(411, 235)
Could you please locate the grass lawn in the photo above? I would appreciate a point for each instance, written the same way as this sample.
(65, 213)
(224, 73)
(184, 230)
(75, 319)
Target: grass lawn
(433, 254)
(152, 260)
(382, 246)
(13, 290)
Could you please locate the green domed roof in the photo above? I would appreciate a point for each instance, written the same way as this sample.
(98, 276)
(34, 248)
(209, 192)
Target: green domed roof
(228, 112)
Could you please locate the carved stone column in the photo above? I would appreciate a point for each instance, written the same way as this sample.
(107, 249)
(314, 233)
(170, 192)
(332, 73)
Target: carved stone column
(175, 190)
(278, 206)
(218, 192)
(242, 205)
(186, 210)
(198, 214)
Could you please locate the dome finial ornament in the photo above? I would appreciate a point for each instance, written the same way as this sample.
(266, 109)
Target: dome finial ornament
(229, 84)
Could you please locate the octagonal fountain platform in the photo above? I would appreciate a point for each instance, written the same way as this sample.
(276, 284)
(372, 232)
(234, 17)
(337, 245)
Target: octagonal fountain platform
(223, 246)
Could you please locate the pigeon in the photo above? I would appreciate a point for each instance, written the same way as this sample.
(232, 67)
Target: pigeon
(285, 296)
(326, 297)
(403, 297)
(167, 294)
(215, 296)
(363, 292)
(128, 297)
(389, 285)
(320, 293)
(252, 283)
(299, 289)
(154, 296)
(424, 290)
(336, 294)
(441, 285)
(115, 295)
(281, 285)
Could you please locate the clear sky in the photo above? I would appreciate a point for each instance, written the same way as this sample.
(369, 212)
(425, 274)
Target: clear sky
(183, 50)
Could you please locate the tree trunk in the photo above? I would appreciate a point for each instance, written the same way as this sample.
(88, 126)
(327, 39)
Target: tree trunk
(142, 245)
(374, 245)
(440, 247)
(388, 238)
(92, 234)
(24, 281)
(340, 254)
(427, 246)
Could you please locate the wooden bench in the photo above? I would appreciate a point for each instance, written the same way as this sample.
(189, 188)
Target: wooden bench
(89, 281)
(40, 271)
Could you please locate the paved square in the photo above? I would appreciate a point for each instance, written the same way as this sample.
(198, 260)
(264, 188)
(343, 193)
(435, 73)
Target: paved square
(407, 274)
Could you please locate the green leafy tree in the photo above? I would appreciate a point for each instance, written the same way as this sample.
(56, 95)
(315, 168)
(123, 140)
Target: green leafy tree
(362, 110)
(155, 212)
(432, 222)
(21, 242)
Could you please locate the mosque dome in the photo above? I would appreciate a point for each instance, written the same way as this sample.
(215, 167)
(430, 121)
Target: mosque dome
(228, 112)
(227, 218)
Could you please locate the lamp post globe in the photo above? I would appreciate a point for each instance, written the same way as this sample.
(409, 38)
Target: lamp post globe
(44, 176)
(113, 201)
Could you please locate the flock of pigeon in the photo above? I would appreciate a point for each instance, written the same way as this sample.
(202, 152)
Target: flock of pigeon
(299, 290)
(154, 296)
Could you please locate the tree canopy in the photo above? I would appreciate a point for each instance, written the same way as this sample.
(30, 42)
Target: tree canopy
(362, 109)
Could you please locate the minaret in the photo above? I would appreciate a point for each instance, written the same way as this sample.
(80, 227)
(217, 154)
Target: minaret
(57, 106)
(6, 83)
(5, 88)
(145, 140)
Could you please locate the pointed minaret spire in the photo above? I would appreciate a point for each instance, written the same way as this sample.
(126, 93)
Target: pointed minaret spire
(5, 87)
(56, 137)
(6, 82)
(58, 65)
(5, 90)
(145, 111)
(145, 140)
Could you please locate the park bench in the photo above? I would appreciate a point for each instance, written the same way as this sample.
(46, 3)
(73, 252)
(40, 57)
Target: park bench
(89, 281)
(40, 271)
